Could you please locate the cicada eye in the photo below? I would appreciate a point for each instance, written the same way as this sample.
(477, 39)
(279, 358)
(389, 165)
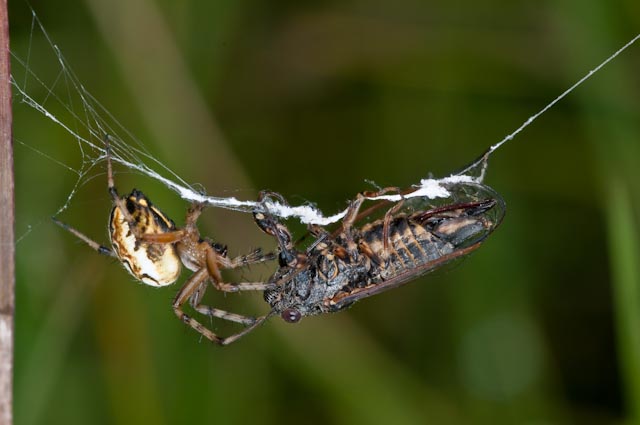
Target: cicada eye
(291, 315)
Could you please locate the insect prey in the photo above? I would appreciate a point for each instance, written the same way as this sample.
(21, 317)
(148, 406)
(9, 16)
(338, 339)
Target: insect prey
(412, 238)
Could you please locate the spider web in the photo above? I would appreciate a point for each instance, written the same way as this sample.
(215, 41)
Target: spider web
(88, 122)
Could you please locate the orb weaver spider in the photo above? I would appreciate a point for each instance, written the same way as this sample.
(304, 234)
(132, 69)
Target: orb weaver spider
(153, 250)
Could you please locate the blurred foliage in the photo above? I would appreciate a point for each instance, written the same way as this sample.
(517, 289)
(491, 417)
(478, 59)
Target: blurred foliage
(311, 99)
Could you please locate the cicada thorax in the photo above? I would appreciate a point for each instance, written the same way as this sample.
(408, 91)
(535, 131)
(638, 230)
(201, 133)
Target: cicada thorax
(154, 264)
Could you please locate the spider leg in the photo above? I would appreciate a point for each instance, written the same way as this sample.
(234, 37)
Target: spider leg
(193, 288)
(164, 238)
(232, 338)
(111, 187)
(196, 297)
(193, 213)
(213, 259)
(101, 249)
(254, 257)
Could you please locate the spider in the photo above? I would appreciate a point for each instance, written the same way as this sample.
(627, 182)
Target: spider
(153, 250)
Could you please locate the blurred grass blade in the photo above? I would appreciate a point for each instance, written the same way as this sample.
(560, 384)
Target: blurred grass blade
(365, 383)
(624, 249)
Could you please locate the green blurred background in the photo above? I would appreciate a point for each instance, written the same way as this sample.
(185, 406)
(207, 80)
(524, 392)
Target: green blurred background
(310, 99)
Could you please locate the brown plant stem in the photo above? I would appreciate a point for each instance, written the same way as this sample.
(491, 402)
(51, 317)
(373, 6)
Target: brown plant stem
(7, 246)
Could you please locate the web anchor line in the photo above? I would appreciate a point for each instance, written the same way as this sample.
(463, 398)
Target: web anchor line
(95, 121)
(430, 188)
(485, 156)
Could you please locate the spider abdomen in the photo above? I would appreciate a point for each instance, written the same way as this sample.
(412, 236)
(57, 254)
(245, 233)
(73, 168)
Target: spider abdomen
(152, 263)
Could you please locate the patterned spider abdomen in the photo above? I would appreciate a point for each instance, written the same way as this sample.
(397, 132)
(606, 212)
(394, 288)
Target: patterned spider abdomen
(154, 264)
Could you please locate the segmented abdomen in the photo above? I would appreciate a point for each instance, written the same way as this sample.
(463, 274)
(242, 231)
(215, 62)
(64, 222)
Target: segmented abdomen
(410, 245)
